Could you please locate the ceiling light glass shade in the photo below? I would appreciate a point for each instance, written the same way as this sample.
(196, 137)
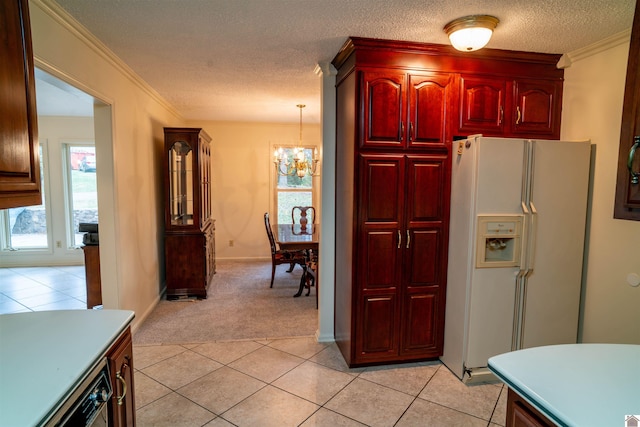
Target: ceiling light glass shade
(471, 32)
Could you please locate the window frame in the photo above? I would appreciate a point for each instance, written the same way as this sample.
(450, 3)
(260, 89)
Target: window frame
(5, 220)
(276, 190)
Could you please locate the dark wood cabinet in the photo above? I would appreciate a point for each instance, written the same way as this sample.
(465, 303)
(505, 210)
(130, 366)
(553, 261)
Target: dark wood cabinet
(19, 157)
(482, 105)
(122, 408)
(400, 273)
(92, 275)
(399, 106)
(189, 229)
(627, 199)
(497, 106)
(521, 414)
(404, 110)
(393, 160)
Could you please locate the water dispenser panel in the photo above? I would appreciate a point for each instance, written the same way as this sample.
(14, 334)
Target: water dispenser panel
(499, 241)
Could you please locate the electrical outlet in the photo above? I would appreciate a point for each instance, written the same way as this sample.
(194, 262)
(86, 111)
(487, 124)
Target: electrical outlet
(58, 244)
(230, 242)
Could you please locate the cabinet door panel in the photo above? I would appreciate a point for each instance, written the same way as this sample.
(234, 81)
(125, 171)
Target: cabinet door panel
(425, 193)
(380, 219)
(420, 332)
(122, 404)
(19, 158)
(482, 105)
(380, 198)
(537, 107)
(380, 256)
(423, 258)
(377, 328)
(428, 102)
(383, 105)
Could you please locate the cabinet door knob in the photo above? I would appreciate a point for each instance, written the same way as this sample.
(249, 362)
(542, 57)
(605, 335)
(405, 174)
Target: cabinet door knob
(519, 115)
(635, 176)
(399, 239)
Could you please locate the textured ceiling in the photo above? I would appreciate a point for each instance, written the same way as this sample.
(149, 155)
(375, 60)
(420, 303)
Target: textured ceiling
(254, 60)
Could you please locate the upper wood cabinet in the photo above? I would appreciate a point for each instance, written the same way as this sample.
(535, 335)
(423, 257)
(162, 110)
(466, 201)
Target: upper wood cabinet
(496, 106)
(537, 108)
(404, 110)
(19, 158)
(482, 105)
(627, 202)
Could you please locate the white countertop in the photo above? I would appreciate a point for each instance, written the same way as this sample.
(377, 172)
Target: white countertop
(45, 354)
(576, 384)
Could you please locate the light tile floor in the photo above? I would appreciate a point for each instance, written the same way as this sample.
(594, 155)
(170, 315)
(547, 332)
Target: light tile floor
(42, 288)
(300, 382)
(279, 382)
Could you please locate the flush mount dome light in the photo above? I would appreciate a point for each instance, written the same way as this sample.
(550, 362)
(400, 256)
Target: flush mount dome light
(472, 32)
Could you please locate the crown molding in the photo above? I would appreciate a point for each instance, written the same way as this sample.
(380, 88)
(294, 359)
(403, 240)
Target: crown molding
(62, 17)
(610, 42)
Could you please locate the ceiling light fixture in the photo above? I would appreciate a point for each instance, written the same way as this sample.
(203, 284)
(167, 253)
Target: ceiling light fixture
(472, 32)
(298, 164)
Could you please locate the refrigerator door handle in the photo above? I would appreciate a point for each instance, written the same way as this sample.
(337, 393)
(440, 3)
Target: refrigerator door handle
(533, 229)
(523, 241)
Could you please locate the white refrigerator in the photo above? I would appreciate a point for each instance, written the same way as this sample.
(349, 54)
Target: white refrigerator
(516, 245)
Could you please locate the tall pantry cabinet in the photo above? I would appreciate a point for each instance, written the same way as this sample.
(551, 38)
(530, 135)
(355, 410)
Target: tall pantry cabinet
(399, 107)
(392, 207)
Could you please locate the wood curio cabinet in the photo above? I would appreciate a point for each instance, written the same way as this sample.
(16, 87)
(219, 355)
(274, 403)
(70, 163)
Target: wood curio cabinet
(399, 106)
(189, 229)
(19, 158)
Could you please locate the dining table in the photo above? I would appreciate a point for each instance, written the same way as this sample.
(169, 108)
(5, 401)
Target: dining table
(297, 237)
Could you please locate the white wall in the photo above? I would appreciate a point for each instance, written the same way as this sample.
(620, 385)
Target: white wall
(128, 151)
(242, 173)
(592, 109)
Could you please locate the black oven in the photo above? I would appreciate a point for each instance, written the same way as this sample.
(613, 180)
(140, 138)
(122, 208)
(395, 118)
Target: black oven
(87, 405)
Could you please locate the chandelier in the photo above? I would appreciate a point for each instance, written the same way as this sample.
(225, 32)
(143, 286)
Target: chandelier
(299, 164)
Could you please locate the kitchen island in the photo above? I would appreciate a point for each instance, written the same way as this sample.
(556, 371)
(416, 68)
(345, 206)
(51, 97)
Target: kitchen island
(45, 355)
(571, 385)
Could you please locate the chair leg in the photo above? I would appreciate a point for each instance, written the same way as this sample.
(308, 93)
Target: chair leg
(273, 273)
(311, 281)
(291, 267)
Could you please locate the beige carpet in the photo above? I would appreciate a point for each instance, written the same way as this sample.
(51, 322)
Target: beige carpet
(240, 305)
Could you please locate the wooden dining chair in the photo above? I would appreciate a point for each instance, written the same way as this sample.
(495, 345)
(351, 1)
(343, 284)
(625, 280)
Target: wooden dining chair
(308, 279)
(303, 215)
(279, 256)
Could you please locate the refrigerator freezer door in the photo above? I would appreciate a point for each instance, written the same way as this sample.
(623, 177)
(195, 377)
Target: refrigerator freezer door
(560, 183)
(498, 189)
